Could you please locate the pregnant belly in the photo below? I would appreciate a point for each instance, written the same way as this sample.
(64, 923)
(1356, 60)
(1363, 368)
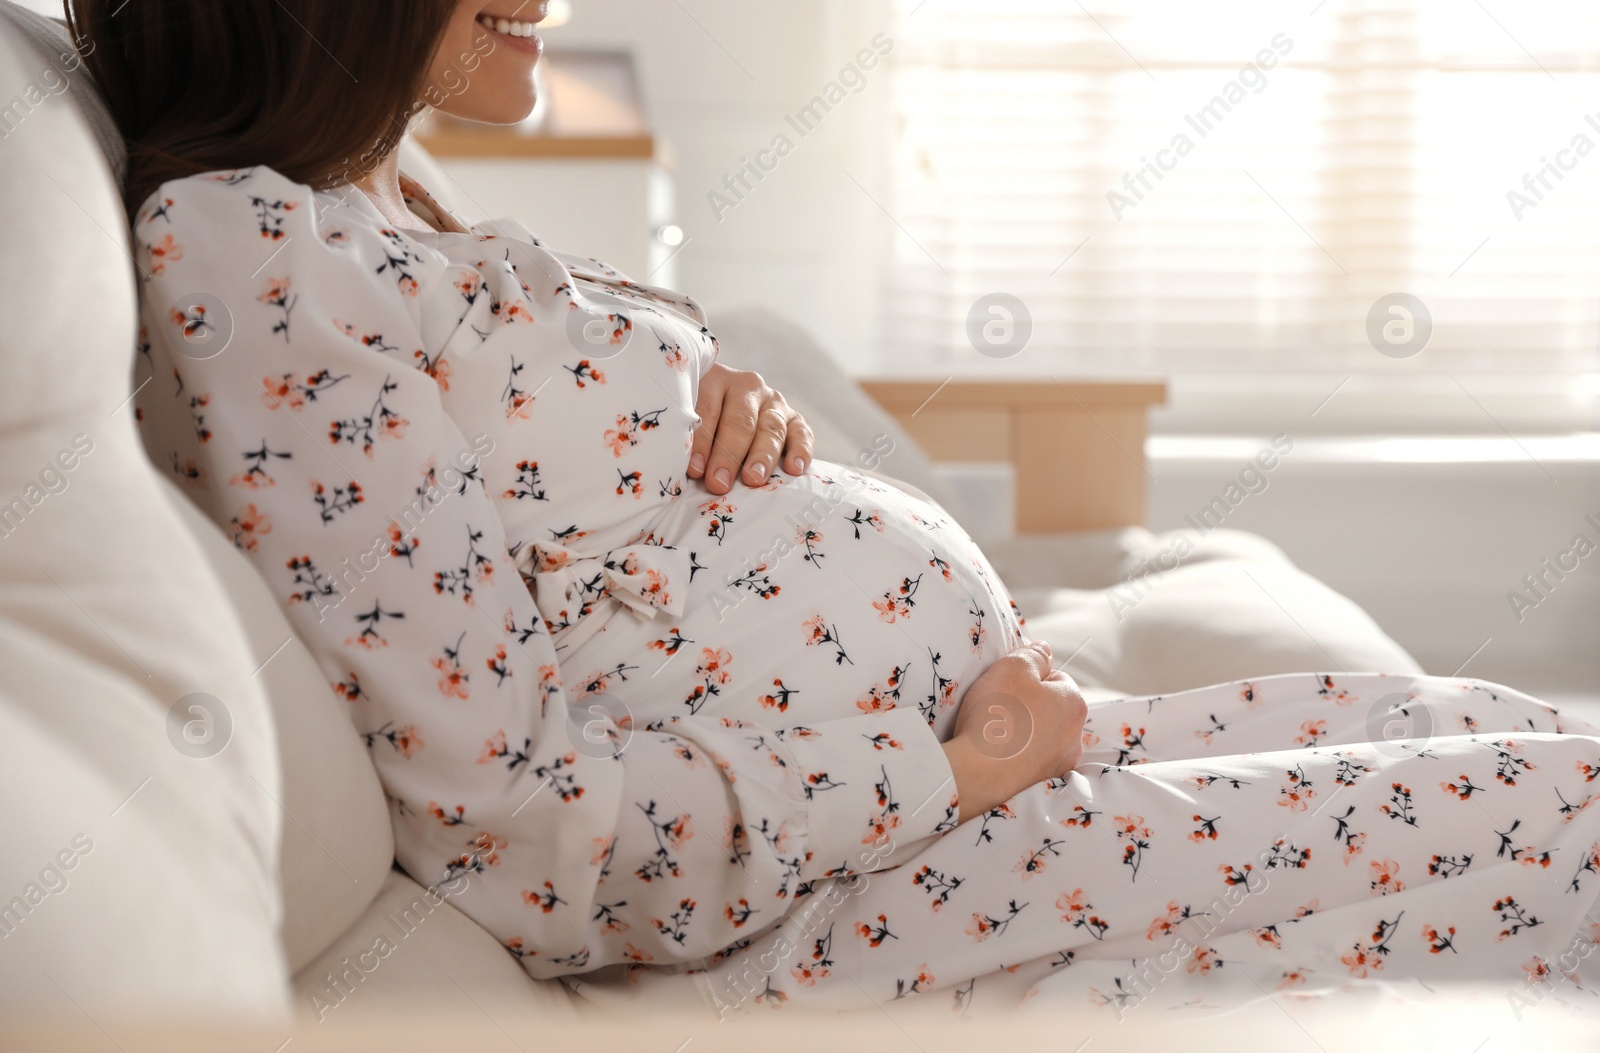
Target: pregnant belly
(810, 599)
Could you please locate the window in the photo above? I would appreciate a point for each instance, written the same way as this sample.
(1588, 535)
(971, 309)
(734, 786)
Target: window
(1177, 187)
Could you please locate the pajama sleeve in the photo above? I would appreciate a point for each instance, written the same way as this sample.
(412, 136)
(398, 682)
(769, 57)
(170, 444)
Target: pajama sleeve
(288, 381)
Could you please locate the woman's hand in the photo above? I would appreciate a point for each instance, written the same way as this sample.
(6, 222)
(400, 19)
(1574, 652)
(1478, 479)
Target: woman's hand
(1021, 722)
(744, 424)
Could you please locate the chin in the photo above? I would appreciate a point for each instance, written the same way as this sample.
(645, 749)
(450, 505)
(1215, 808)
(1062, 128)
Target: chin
(498, 108)
(503, 114)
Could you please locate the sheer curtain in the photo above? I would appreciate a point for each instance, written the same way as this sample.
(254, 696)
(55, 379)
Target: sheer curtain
(1232, 187)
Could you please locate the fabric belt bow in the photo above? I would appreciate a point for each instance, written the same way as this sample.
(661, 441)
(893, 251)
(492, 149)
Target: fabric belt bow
(568, 587)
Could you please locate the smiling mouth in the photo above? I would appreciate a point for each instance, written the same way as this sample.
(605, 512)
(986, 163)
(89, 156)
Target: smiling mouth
(510, 26)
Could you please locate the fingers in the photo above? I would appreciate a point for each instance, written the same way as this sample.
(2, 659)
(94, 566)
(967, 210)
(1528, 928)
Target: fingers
(1065, 679)
(745, 427)
(713, 387)
(1037, 657)
(736, 429)
(772, 428)
(797, 446)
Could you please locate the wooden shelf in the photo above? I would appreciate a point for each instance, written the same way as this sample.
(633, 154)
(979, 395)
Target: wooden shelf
(493, 143)
(1077, 447)
(1042, 391)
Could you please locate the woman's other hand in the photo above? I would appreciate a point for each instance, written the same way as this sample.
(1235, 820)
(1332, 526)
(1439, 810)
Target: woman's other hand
(745, 426)
(1021, 722)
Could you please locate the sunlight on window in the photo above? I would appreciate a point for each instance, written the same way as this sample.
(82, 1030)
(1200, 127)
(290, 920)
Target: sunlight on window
(1239, 186)
(1579, 448)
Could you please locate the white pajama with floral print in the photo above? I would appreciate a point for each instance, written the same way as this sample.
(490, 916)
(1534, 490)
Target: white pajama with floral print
(659, 741)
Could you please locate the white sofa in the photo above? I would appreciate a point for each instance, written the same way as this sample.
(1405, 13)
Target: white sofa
(191, 827)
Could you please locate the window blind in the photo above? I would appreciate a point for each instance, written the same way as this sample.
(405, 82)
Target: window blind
(1168, 186)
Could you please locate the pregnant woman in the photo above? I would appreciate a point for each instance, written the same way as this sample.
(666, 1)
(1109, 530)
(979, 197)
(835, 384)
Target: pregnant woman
(675, 712)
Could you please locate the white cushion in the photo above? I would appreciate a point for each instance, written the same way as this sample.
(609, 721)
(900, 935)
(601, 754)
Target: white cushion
(413, 948)
(1098, 559)
(1210, 620)
(140, 867)
(338, 845)
(53, 41)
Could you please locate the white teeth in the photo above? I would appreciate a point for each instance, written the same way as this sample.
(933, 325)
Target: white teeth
(510, 27)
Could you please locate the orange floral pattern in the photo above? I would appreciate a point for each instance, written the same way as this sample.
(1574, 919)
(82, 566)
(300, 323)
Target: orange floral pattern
(676, 740)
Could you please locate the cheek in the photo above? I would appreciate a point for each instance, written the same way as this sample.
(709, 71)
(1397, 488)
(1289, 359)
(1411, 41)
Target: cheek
(446, 78)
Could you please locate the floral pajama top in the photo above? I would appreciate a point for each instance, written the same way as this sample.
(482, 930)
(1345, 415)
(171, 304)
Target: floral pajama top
(662, 743)
(619, 719)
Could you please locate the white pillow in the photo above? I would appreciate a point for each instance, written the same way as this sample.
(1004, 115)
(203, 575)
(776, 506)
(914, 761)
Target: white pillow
(413, 949)
(140, 866)
(334, 858)
(53, 41)
(338, 845)
(1206, 623)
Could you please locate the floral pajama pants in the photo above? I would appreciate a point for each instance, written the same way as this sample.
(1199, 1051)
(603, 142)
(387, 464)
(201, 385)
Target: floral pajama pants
(1290, 833)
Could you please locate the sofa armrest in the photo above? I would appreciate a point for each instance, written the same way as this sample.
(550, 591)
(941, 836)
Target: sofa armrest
(1077, 447)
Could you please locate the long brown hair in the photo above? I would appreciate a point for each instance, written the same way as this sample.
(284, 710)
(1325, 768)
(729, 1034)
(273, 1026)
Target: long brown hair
(319, 90)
